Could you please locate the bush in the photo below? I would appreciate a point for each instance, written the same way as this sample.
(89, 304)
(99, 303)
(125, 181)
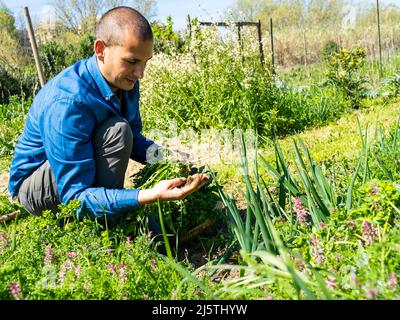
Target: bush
(12, 119)
(165, 39)
(22, 82)
(328, 49)
(344, 67)
(56, 57)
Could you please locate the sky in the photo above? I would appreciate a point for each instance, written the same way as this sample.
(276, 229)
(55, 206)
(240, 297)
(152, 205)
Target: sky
(205, 10)
(178, 9)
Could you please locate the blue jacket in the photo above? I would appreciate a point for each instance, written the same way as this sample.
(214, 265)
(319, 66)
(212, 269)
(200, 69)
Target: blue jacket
(59, 128)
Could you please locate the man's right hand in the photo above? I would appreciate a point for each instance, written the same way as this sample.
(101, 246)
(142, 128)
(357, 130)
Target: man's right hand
(174, 189)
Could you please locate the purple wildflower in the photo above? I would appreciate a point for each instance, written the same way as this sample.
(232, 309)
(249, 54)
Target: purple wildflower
(314, 239)
(374, 190)
(78, 271)
(369, 232)
(316, 250)
(300, 264)
(392, 282)
(152, 264)
(123, 276)
(49, 256)
(15, 290)
(120, 270)
(71, 254)
(65, 267)
(331, 281)
(351, 224)
(353, 279)
(112, 268)
(301, 212)
(3, 241)
(371, 293)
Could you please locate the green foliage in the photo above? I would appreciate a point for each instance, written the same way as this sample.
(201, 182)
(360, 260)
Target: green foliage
(43, 259)
(351, 254)
(12, 119)
(179, 216)
(344, 72)
(55, 56)
(22, 82)
(391, 86)
(328, 49)
(385, 153)
(211, 87)
(83, 49)
(6, 19)
(165, 39)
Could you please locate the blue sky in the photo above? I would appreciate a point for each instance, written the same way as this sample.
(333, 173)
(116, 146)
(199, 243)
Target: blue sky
(178, 9)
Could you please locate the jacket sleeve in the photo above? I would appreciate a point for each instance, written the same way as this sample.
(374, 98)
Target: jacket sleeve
(66, 127)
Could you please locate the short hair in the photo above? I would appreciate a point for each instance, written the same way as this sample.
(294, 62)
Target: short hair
(114, 22)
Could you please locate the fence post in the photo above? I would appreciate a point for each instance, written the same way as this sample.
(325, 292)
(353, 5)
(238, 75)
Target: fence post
(189, 26)
(379, 38)
(260, 45)
(271, 32)
(240, 40)
(34, 46)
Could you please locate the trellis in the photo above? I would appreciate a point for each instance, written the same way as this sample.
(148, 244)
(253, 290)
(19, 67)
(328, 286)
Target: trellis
(239, 26)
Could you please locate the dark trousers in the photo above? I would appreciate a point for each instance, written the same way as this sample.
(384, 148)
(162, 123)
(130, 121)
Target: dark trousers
(112, 146)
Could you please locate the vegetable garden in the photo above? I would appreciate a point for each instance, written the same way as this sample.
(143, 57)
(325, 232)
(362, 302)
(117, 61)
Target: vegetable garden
(311, 212)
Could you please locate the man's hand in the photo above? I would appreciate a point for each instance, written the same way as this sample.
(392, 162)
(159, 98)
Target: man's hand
(174, 189)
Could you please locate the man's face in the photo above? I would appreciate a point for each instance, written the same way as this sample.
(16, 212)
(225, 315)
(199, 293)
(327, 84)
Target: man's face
(123, 65)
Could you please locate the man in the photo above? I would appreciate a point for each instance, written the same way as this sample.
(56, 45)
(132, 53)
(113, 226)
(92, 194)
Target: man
(85, 124)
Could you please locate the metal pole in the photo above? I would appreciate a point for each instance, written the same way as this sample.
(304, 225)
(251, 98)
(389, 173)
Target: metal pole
(189, 26)
(271, 32)
(260, 45)
(34, 46)
(240, 40)
(379, 38)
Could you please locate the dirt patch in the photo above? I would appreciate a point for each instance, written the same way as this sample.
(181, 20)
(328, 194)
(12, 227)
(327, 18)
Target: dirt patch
(133, 167)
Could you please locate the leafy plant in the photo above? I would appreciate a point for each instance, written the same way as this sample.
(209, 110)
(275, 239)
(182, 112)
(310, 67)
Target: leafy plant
(182, 216)
(328, 49)
(344, 67)
(41, 258)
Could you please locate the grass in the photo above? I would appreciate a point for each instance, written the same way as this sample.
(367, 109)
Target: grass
(52, 258)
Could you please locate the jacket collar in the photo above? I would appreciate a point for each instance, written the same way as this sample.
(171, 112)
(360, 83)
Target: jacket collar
(99, 79)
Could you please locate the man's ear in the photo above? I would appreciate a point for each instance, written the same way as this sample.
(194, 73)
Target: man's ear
(99, 47)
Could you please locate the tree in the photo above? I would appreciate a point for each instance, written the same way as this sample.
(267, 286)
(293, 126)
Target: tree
(81, 15)
(146, 7)
(10, 47)
(6, 19)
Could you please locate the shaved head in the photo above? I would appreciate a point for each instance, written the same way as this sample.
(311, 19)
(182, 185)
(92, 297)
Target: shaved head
(114, 24)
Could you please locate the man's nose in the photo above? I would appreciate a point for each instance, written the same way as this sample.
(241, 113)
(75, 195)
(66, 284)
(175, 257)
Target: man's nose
(139, 72)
